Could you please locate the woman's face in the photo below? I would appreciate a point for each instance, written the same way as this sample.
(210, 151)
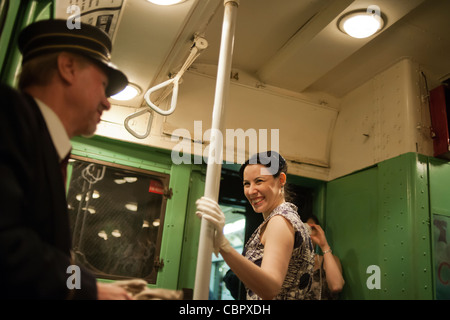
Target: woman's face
(263, 191)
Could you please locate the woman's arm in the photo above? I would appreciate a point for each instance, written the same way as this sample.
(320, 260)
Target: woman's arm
(266, 281)
(333, 270)
(331, 263)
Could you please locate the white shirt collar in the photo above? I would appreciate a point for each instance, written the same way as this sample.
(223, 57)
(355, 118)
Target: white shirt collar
(57, 131)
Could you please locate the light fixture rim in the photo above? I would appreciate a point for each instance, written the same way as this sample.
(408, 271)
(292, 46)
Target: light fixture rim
(170, 4)
(344, 17)
(134, 86)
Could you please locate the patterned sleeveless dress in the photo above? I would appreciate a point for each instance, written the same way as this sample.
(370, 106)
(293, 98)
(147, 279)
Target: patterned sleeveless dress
(300, 270)
(319, 288)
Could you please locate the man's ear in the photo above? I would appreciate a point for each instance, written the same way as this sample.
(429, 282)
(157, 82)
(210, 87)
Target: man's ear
(66, 67)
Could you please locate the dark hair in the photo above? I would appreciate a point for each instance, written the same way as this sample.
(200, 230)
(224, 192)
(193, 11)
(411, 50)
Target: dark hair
(275, 163)
(270, 159)
(314, 218)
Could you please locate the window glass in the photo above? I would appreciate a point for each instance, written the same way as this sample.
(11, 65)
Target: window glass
(116, 215)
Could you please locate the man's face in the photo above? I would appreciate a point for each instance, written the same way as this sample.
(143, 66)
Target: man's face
(89, 98)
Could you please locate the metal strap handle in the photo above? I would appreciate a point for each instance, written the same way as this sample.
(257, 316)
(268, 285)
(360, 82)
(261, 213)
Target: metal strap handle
(137, 114)
(200, 44)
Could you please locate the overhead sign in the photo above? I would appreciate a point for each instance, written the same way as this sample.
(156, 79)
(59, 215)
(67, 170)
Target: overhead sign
(103, 14)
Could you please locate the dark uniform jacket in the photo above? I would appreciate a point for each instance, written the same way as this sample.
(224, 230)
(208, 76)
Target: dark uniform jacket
(35, 239)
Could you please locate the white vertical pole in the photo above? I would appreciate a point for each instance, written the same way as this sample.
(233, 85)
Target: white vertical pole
(215, 157)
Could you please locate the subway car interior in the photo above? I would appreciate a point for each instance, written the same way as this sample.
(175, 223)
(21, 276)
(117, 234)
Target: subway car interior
(362, 120)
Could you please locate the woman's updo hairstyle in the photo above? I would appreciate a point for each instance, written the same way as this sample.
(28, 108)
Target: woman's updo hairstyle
(270, 159)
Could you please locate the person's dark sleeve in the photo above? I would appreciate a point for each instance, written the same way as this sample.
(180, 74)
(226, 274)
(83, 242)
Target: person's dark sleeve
(29, 266)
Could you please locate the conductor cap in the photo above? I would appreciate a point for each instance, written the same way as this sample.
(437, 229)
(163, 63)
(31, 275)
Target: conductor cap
(49, 36)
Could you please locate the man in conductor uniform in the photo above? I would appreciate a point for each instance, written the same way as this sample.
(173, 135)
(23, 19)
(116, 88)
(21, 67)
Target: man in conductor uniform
(66, 78)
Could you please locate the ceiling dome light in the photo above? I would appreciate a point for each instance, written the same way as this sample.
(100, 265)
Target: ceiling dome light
(132, 206)
(361, 24)
(165, 2)
(116, 233)
(131, 91)
(102, 234)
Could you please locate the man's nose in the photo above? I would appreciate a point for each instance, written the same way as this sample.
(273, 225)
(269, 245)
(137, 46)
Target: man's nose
(106, 104)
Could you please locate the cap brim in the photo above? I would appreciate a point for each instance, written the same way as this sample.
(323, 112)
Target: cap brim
(117, 80)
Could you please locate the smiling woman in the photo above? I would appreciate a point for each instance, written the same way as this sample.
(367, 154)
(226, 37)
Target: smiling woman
(278, 259)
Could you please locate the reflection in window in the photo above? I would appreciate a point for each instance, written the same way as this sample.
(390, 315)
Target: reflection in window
(234, 231)
(115, 215)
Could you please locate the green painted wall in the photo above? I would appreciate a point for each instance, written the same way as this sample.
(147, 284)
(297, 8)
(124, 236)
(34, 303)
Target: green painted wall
(439, 173)
(439, 186)
(20, 14)
(188, 259)
(380, 216)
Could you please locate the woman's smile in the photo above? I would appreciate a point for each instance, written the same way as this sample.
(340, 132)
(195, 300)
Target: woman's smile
(256, 201)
